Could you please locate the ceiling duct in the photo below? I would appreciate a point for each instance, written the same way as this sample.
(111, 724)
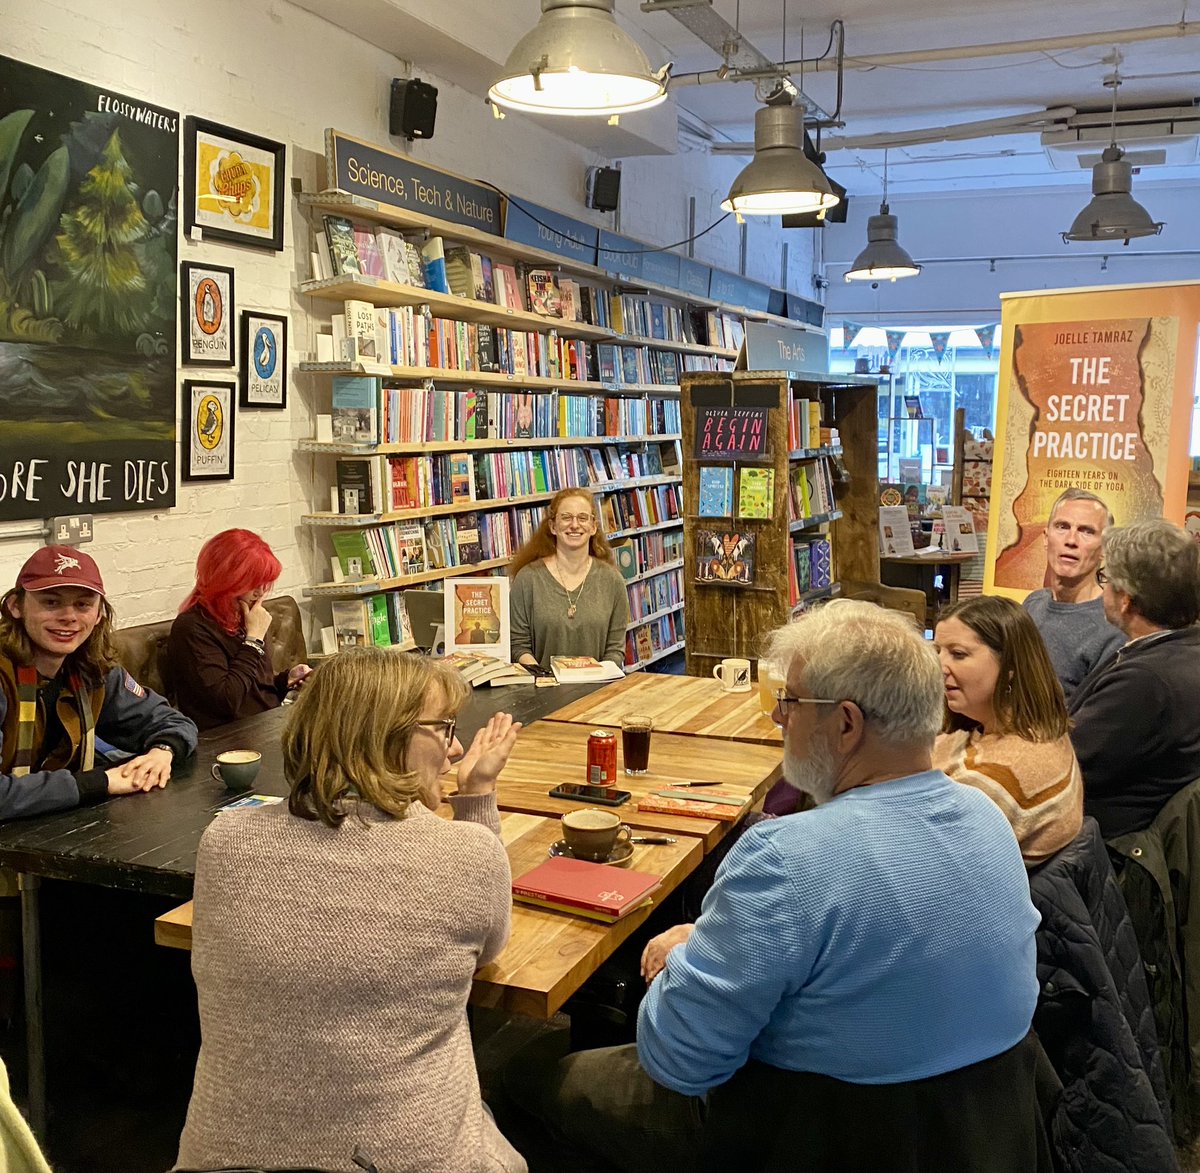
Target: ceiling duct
(1150, 137)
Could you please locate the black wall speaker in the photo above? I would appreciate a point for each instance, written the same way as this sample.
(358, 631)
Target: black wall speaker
(603, 188)
(414, 108)
(834, 215)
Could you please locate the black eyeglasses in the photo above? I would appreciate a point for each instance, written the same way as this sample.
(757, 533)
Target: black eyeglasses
(1102, 578)
(783, 699)
(446, 724)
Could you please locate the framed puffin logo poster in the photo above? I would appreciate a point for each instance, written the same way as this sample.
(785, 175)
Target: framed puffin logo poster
(208, 431)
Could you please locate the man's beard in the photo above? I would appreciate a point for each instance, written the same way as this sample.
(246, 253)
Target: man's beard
(815, 774)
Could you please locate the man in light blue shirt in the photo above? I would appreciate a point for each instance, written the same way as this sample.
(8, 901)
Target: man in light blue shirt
(886, 936)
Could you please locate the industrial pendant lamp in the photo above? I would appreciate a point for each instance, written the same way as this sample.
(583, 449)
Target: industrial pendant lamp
(780, 180)
(577, 61)
(883, 259)
(1113, 213)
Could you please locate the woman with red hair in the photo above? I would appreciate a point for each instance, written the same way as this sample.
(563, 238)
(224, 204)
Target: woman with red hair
(220, 668)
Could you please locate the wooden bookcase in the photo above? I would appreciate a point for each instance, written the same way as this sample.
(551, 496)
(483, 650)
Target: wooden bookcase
(724, 620)
(662, 622)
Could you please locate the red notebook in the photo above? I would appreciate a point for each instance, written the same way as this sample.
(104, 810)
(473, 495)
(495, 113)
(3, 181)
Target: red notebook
(587, 889)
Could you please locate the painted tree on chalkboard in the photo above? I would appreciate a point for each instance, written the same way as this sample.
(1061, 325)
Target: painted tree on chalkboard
(103, 290)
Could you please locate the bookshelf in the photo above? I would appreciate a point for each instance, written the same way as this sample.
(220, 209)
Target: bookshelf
(623, 356)
(822, 510)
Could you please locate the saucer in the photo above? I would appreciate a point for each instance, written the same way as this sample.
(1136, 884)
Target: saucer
(621, 855)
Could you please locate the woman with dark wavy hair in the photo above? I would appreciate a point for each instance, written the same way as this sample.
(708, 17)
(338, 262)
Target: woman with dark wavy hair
(1006, 729)
(220, 666)
(61, 688)
(568, 598)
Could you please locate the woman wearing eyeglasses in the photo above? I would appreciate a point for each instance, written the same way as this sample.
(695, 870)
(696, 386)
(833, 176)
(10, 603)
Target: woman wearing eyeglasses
(1006, 727)
(335, 936)
(568, 598)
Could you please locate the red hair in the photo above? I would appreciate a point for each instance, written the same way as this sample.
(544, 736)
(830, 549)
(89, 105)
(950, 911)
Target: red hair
(230, 565)
(543, 545)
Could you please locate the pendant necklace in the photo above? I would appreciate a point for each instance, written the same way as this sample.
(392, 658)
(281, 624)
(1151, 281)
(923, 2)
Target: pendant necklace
(572, 604)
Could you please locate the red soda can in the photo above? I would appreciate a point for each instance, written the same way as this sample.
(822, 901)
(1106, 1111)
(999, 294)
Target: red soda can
(601, 758)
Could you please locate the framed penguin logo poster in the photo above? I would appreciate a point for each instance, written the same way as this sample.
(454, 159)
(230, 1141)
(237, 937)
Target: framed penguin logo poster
(207, 431)
(207, 318)
(263, 351)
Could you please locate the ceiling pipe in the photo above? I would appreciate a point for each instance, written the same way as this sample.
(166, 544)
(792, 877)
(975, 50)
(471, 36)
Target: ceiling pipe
(985, 128)
(1158, 32)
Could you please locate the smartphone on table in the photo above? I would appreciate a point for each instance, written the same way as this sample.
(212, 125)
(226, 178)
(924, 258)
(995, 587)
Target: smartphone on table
(601, 795)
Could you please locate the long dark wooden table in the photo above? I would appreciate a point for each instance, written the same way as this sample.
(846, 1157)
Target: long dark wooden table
(147, 842)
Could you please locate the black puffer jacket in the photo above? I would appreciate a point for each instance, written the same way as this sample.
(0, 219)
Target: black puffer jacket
(1094, 1018)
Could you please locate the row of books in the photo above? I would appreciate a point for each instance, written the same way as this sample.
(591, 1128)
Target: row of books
(390, 484)
(810, 566)
(364, 411)
(379, 620)
(805, 429)
(635, 365)
(755, 491)
(412, 336)
(643, 553)
(639, 507)
(810, 490)
(650, 319)
(655, 594)
(648, 639)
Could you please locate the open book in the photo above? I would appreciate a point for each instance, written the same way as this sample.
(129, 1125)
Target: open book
(583, 669)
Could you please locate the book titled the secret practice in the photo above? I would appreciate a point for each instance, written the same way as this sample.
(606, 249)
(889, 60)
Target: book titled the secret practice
(595, 890)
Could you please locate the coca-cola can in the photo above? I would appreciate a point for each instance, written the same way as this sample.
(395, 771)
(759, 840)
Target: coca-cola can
(602, 758)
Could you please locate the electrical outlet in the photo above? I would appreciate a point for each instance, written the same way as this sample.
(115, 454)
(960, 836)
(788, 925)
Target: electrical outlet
(72, 530)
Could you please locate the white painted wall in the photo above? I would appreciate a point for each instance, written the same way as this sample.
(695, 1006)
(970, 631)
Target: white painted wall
(956, 236)
(275, 69)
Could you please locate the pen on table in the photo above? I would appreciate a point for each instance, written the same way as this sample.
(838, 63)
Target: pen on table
(681, 785)
(652, 839)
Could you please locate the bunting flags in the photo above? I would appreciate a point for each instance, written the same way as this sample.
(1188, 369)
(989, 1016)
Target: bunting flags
(986, 336)
(939, 343)
(894, 338)
(850, 330)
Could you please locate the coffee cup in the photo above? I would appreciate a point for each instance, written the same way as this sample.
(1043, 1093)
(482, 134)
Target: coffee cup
(237, 768)
(734, 675)
(594, 834)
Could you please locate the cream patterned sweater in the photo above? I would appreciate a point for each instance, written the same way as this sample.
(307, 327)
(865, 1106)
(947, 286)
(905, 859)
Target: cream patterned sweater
(332, 968)
(1036, 784)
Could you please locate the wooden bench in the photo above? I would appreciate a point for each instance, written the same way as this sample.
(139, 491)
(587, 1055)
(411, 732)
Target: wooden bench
(142, 650)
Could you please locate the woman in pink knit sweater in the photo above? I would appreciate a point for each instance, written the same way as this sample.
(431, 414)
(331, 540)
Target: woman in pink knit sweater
(335, 937)
(1006, 723)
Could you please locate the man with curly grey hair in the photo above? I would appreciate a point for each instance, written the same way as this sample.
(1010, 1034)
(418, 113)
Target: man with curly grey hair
(1136, 732)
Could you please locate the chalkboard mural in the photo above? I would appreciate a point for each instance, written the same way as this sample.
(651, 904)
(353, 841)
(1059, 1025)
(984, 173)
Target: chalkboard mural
(87, 297)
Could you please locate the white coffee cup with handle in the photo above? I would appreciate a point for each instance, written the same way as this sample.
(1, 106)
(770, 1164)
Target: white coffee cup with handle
(734, 675)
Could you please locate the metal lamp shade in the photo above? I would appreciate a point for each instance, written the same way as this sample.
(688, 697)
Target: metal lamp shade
(883, 259)
(1113, 213)
(578, 61)
(780, 179)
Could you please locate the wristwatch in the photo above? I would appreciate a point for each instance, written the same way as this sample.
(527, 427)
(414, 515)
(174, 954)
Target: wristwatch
(163, 745)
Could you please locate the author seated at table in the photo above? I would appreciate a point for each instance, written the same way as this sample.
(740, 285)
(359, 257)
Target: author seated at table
(61, 688)
(1006, 726)
(220, 665)
(335, 936)
(568, 598)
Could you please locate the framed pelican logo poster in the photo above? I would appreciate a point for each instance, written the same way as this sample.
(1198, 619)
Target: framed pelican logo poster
(208, 429)
(263, 348)
(207, 319)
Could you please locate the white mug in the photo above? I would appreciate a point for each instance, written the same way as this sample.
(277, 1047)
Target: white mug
(734, 675)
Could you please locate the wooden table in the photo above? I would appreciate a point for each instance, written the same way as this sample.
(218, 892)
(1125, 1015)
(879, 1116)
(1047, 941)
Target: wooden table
(678, 704)
(551, 752)
(549, 954)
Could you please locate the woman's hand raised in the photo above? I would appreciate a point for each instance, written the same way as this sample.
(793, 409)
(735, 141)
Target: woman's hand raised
(485, 757)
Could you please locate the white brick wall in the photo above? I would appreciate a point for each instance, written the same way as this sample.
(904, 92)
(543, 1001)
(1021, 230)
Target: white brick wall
(270, 68)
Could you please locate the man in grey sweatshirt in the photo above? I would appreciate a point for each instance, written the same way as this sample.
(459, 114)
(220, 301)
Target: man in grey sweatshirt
(1070, 612)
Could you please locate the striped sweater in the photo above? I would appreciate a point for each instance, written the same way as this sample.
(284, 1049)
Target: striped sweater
(1036, 784)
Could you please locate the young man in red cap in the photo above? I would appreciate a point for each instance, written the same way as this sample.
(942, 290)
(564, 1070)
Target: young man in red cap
(61, 688)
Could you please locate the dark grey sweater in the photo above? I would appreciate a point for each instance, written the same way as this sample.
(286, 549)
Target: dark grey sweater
(1077, 635)
(538, 608)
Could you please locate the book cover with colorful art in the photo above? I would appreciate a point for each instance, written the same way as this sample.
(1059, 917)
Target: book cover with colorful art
(716, 491)
(756, 493)
(724, 558)
(476, 616)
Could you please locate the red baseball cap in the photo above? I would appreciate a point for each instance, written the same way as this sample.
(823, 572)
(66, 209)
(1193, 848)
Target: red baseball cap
(60, 566)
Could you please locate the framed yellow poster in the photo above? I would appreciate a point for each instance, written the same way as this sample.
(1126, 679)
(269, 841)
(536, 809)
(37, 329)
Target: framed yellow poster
(232, 185)
(1096, 393)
